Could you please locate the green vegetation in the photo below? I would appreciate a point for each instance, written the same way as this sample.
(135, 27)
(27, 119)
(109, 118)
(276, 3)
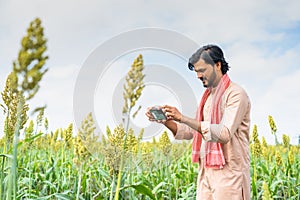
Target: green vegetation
(59, 166)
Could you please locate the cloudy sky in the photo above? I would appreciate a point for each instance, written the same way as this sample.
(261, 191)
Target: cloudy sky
(261, 41)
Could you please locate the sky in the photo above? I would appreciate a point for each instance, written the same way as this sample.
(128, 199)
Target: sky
(260, 40)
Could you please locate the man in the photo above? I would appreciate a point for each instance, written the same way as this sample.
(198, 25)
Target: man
(220, 131)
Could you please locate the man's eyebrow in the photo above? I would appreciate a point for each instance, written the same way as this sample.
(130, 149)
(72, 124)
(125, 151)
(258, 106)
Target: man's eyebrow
(199, 69)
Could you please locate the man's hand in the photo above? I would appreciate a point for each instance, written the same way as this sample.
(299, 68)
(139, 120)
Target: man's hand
(172, 113)
(169, 123)
(151, 118)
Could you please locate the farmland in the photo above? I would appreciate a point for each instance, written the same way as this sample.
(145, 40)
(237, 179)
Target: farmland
(59, 165)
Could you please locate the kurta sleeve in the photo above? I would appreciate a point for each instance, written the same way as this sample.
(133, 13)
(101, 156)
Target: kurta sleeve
(236, 105)
(184, 132)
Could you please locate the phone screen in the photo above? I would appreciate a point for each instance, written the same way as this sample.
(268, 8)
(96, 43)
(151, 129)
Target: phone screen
(158, 114)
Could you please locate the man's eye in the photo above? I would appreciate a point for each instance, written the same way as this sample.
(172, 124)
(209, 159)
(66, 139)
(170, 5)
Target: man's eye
(200, 70)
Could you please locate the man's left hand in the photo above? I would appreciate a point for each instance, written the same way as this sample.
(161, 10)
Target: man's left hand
(172, 113)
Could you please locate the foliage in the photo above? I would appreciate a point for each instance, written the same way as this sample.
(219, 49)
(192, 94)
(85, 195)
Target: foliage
(31, 60)
(133, 88)
(86, 134)
(54, 170)
(11, 100)
(274, 170)
(164, 143)
(23, 81)
(273, 128)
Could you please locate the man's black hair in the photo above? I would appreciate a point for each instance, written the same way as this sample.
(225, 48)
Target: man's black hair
(211, 54)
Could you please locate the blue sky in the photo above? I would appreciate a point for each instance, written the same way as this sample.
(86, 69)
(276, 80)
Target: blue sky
(261, 41)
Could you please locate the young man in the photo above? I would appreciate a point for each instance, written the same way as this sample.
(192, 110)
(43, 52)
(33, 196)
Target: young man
(220, 131)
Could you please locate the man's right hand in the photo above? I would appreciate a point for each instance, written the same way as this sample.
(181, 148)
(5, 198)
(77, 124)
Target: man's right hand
(151, 118)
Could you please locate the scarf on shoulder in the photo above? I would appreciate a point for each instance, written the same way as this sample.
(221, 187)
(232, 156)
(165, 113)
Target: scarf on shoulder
(214, 157)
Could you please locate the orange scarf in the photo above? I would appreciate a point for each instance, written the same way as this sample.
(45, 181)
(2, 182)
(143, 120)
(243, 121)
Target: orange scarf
(214, 157)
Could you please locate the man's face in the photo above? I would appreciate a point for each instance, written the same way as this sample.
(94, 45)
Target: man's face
(207, 73)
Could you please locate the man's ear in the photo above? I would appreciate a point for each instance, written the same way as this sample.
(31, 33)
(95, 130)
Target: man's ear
(218, 65)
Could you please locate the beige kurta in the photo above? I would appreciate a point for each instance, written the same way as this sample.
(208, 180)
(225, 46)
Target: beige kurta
(233, 181)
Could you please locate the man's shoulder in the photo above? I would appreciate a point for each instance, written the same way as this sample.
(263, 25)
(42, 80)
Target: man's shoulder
(235, 86)
(236, 89)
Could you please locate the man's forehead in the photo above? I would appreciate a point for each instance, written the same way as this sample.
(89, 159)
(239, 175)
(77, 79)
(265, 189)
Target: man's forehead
(200, 64)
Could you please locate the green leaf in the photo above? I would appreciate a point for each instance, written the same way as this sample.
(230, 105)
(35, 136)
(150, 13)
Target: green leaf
(33, 137)
(63, 196)
(161, 184)
(264, 168)
(140, 188)
(103, 173)
(30, 139)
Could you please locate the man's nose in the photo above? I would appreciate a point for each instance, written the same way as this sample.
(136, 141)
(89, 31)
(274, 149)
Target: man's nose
(199, 75)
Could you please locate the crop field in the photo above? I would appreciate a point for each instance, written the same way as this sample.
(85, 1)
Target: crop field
(57, 165)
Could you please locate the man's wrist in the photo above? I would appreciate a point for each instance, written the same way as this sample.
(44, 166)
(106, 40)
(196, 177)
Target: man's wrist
(183, 119)
(199, 128)
(194, 124)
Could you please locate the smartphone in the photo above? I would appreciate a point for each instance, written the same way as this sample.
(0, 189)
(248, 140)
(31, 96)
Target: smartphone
(158, 113)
